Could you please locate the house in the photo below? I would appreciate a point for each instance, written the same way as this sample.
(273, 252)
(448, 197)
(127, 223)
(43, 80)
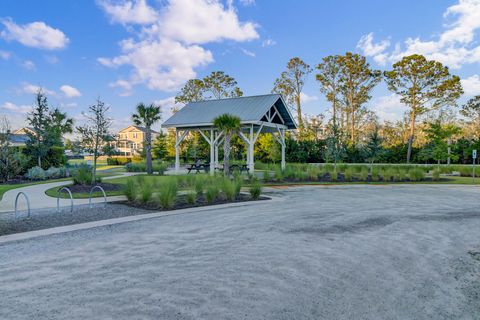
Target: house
(24, 131)
(129, 141)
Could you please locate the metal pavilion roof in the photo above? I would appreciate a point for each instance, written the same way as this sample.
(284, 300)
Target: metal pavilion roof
(250, 110)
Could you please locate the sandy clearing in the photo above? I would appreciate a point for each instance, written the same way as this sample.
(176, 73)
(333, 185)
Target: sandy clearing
(360, 252)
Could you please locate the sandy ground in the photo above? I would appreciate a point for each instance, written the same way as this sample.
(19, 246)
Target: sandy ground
(356, 252)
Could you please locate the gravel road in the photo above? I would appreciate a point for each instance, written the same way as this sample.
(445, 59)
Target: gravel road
(336, 252)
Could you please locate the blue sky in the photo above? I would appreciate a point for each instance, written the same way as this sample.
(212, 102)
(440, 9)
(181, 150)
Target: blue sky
(143, 50)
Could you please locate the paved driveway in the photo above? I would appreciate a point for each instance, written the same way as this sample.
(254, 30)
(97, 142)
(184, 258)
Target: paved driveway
(375, 252)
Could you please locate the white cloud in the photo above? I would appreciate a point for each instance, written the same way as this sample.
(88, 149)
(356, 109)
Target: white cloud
(455, 46)
(9, 106)
(389, 107)
(202, 21)
(268, 43)
(129, 12)
(5, 55)
(167, 52)
(471, 85)
(35, 34)
(69, 91)
(167, 106)
(248, 53)
(29, 65)
(29, 88)
(305, 98)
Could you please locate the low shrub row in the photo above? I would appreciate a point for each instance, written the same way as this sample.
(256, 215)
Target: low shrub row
(37, 173)
(118, 161)
(187, 191)
(158, 166)
(346, 173)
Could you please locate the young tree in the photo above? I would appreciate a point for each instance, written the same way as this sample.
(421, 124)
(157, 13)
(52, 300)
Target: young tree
(438, 135)
(356, 83)
(159, 148)
(230, 125)
(423, 85)
(221, 85)
(59, 124)
(147, 116)
(95, 133)
(192, 91)
(40, 139)
(290, 85)
(373, 149)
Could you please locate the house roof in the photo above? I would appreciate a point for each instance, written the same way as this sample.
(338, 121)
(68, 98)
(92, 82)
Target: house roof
(16, 138)
(249, 109)
(143, 129)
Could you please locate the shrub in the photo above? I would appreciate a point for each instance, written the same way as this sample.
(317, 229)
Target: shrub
(389, 174)
(402, 174)
(82, 175)
(416, 174)
(266, 175)
(130, 190)
(348, 174)
(436, 175)
(36, 173)
(199, 185)
(118, 161)
(56, 173)
(228, 188)
(238, 186)
(135, 167)
(211, 193)
(364, 174)
(167, 194)
(160, 167)
(333, 175)
(191, 197)
(279, 174)
(145, 190)
(375, 174)
(255, 190)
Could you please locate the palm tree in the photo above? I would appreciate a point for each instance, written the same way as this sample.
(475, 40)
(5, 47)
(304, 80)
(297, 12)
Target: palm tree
(230, 125)
(147, 116)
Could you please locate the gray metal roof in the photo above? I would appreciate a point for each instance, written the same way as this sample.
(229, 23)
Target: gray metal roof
(248, 109)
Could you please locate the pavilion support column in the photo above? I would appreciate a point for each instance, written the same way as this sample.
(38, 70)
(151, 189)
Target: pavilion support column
(177, 152)
(217, 143)
(251, 163)
(212, 152)
(283, 148)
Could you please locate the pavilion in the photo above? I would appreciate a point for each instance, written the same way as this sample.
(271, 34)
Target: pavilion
(264, 113)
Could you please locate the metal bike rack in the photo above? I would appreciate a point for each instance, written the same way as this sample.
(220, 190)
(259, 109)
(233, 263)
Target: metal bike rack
(104, 196)
(16, 203)
(58, 198)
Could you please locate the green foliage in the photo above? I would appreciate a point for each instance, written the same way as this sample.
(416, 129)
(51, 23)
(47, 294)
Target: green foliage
(36, 173)
(130, 190)
(436, 175)
(145, 192)
(228, 189)
(82, 175)
(416, 174)
(167, 194)
(191, 197)
(255, 190)
(118, 161)
(348, 173)
(212, 192)
(199, 185)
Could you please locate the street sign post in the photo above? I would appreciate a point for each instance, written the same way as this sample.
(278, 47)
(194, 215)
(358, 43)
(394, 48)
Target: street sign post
(474, 157)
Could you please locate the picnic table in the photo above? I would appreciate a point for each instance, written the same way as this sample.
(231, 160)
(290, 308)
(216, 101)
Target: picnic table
(198, 167)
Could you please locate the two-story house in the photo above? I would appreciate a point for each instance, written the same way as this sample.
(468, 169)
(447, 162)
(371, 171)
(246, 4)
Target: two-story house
(130, 140)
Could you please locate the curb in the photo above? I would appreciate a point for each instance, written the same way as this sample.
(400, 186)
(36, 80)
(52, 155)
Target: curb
(100, 223)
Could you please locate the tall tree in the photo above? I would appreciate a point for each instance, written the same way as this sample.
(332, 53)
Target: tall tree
(423, 85)
(230, 125)
(147, 116)
(40, 138)
(290, 85)
(221, 85)
(329, 77)
(192, 91)
(95, 133)
(471, 110)
(357, 81)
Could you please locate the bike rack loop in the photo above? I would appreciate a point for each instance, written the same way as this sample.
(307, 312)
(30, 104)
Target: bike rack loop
(16, 203)
(58, 198)
(104, 196)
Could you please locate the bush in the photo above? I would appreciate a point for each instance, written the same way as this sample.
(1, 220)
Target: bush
(167, 194)
(56, 173)
(436, 175)
(212, 192)
(145, 190)
(364, 174)
(228, 189)
(118, 161)
(160, 167)
(333, 175)
(191, 197)
(36, 173)
(348, 174)
(255, 190)
(82, 175)
(375, 174)
(416, 174)
(199, 185)
(130, 190)
(238, 186)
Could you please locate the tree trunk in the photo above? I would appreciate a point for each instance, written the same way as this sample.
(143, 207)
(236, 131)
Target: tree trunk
(410, 138)
(226, 154)
(449, 150)
(353, 128)
(148, 150)
(39, 161)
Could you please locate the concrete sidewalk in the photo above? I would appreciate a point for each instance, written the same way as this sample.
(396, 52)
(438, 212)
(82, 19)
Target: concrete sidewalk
(39, 200)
